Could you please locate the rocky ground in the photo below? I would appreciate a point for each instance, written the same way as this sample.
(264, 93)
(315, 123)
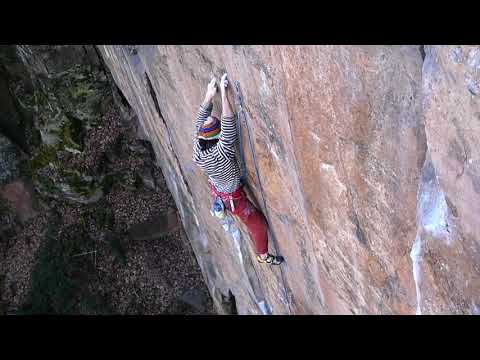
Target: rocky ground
(84, 258)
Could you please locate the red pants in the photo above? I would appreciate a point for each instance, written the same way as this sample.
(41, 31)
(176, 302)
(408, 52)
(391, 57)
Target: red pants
(249, 215)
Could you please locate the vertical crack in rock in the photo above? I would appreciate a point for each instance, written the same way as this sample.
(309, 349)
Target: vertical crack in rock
(123, 99)
(267, 216)
(422, 51)
(103, 66)
(432, 221)
(153, 95)
(427, 176)
(154, 99)
(233, 303)
(359, 231)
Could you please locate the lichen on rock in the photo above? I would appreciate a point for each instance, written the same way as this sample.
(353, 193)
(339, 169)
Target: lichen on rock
(64, 103)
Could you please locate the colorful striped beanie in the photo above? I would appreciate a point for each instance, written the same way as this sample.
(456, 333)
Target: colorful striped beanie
(210, 131)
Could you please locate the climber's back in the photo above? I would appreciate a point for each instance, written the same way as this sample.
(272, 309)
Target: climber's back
(214, 148)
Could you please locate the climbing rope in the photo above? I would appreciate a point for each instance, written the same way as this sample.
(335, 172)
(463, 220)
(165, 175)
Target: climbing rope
(239, 104)
(241, 110)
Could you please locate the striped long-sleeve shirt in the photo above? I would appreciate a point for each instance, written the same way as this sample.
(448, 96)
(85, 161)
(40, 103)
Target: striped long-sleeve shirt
(219, 162)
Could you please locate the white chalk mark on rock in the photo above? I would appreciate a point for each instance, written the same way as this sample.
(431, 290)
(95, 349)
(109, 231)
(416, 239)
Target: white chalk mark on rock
(264, 90)
(264, 308)
(315, 137)
(476, 310)
(275, 155)
(327, 167)
(416, 256)
(331, 169)
(432, 220)
(236, 240)
(433, 210)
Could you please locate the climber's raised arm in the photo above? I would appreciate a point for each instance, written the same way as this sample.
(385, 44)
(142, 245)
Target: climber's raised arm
(229, 130)
(226, 109)
(206, 107)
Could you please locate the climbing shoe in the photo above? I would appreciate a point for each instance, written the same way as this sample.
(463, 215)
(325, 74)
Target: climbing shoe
(270, 259)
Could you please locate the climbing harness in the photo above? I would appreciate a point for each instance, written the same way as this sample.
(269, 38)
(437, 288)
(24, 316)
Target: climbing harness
(225, 196)
(241, 107)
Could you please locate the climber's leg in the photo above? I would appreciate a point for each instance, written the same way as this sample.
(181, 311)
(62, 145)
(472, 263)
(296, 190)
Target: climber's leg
(258, 229)
(255, 222)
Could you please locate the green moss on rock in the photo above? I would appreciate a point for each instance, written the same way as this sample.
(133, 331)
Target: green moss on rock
(64, 106)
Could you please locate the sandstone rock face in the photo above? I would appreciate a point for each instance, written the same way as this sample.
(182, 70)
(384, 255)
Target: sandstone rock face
(54, 95)
(367, 164)
(449, 228)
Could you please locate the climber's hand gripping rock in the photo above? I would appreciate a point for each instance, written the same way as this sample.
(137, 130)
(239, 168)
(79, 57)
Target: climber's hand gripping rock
(223, 83)
(211, 90)
(227, 113)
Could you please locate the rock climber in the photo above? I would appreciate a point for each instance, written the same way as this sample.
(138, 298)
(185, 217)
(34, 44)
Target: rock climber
(214, 153)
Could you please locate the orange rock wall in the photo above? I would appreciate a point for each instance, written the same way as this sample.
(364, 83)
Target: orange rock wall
(351, 142)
